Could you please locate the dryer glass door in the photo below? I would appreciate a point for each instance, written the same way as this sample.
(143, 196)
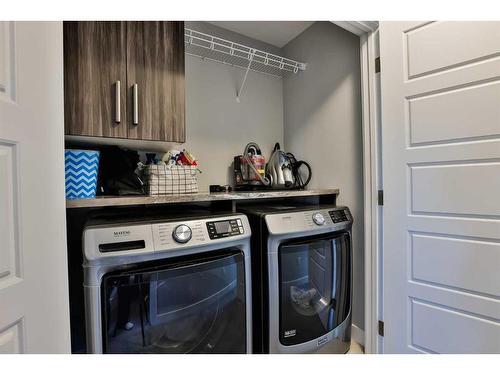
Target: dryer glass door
(178, 305)
(314, 287)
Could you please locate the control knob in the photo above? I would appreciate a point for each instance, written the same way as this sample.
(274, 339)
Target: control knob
(318, 218)
(182, 233)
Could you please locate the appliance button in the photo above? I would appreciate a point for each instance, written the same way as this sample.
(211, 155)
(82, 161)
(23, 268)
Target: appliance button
(241, 230)
(239, 222)
(182, 233)
(318, 218)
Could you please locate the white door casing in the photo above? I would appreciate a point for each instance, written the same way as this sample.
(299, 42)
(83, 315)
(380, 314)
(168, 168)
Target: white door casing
(372, 175)
(34, 310)
(440, 85)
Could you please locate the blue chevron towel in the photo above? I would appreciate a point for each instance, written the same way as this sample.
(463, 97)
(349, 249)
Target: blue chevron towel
(81, 173)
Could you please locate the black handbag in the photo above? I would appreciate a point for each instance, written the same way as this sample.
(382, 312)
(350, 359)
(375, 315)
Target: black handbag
(117, 172)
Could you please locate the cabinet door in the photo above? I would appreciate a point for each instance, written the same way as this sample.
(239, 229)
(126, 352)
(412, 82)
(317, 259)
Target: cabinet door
(155, 63)
(94, 61)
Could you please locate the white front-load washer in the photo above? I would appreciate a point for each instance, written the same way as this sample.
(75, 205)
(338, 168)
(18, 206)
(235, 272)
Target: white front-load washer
(174, 286)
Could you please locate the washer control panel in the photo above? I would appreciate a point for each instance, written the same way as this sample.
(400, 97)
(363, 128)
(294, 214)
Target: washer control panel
(224, 228)
(182, 233)
(142, 238)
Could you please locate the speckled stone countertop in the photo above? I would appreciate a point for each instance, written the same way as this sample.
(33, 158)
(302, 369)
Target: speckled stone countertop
(106, 201)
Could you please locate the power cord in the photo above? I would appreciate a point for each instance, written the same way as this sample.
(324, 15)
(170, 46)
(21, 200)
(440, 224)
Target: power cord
(296, 164)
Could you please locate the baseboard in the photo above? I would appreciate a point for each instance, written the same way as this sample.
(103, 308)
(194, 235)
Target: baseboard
(358, 335)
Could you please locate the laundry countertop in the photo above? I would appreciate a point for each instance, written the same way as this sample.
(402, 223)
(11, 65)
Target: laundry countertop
(106, 201)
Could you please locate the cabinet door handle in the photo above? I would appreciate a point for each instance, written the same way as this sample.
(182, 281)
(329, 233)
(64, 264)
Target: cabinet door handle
(136, 103)
(117, 102)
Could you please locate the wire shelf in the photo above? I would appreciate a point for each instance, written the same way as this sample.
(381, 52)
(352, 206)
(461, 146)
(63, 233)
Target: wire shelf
(209, 47)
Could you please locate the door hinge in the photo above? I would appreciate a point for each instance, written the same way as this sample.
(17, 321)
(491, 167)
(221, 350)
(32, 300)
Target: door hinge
(380, 197)
(377, 65)
(381, 328)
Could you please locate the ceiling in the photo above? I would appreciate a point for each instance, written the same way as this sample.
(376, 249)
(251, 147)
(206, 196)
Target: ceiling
(276, 33)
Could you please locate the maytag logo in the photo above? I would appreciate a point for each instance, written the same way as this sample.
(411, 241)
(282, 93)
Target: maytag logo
(323, 340)
(121, 233)
(290, 333)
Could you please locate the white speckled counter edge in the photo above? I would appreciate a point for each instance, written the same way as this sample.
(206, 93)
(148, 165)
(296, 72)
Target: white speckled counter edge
(106, 201)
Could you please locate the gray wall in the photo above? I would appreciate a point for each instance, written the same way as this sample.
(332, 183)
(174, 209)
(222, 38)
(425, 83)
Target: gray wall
(322, 115)
(218, 128)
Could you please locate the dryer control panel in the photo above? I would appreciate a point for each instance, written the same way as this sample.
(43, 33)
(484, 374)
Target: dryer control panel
(321, 219)
(338, 216)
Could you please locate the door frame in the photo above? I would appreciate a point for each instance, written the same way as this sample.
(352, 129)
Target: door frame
(372, 182)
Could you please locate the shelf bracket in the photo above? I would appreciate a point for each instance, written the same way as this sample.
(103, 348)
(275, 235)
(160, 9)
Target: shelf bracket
(238, 92)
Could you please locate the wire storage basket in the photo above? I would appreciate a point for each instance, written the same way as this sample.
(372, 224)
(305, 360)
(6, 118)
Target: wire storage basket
(162, 179)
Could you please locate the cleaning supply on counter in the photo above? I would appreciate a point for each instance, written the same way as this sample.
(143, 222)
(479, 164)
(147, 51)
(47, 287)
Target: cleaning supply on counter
(185, 158)
(169, 157)
(174, 157)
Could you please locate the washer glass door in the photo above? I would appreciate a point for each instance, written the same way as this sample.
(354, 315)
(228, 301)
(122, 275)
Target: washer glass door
(178, 305)
(314, 287)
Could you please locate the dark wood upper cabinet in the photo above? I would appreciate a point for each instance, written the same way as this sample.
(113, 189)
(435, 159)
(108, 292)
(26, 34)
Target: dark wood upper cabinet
(146, 55)
(94, 61)
(155, 66)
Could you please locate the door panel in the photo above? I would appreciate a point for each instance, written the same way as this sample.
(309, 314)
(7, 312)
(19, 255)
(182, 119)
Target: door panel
(11, 339)
(451, 188)
(94, 60)
(459, 332)
(155, 62)
(34, 314)
(441, 152)
(437, 46)
(451, 123)
(450, 261)
(9, 244)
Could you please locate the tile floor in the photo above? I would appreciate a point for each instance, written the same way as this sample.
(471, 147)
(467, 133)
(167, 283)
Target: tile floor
(356, 348)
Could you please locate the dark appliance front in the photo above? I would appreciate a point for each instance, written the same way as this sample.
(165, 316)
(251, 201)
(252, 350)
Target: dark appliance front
(177, 305)
(314, 287)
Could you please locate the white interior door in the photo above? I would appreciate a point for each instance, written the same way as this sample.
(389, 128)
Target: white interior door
(441, 171)
(34, 311)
